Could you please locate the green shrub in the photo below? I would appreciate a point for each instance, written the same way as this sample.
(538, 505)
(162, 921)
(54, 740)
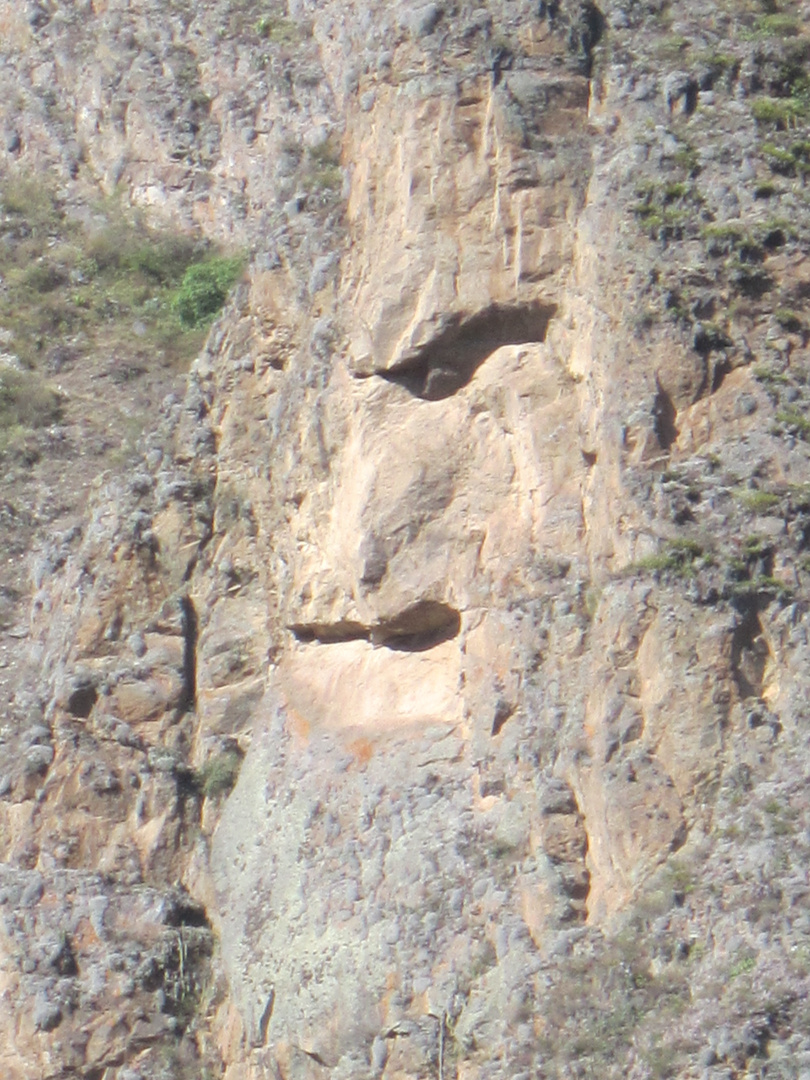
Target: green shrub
(43, 277)
(664, 209)
(678, 557)
(758, 502)
(204, 289)
(718, 63)
(761, 587)
(674, 192)
(62, 276)
(26, 197)
(663, 223)
(165, 259)
(324, 154)
(779, 160)
(104, 247)
(795, 422)
(328, 178)
(727, 233)
(727, 238)
(686, 157)
(673, 46)
(783, 113)
(779, 25)
(767, 375)
(323, 167)
(755, 547)
(742, 967)
(764, 191)
(680, 876)
(219, 774)
(790, 161)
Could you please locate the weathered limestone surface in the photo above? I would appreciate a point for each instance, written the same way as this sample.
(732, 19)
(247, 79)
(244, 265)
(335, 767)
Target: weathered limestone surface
(486, 566)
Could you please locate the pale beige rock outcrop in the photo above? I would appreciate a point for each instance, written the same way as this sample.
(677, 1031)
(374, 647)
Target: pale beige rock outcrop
(475, 484)
(454, 220)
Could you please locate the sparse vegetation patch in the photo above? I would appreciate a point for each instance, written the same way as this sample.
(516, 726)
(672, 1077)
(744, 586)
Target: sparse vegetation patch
(204, 289)
(63, 278)
(26, 400)
(678, 558)
(218, 776)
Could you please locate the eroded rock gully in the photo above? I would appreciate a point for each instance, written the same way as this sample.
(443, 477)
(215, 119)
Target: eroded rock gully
(477, 541)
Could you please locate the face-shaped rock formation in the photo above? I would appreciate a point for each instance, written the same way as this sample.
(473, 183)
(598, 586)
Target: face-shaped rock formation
(474, 547)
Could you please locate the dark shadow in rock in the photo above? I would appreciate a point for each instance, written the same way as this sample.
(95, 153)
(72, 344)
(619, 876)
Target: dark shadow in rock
(664, 416)
(188, 700)
(584, 34)
(330, 633)
(82, 699)
(749, 653)
(752, 281)
(421, 626)
(448, 362)
(503, 710)
(182, 910)
(709, 338)
(63, 960)
(774, 239)
(721, 369)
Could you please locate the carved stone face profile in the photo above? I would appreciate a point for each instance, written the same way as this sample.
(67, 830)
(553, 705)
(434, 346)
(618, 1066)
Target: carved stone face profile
(460, 470)
(473, 735)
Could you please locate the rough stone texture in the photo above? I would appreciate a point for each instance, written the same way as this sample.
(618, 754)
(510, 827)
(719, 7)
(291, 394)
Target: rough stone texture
(478, 540)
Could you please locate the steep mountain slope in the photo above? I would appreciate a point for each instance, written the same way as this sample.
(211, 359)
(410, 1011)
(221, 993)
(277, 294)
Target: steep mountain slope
(426, 696)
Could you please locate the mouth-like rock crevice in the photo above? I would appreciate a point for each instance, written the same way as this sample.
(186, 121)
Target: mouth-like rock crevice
(421, 626)
(448, 362)
(329, 633)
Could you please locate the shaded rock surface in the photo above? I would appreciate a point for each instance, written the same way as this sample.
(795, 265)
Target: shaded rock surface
(431, 697)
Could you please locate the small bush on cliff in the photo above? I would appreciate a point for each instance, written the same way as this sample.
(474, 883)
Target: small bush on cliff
(204, 289)
(218, 775)
(758, 502)
(678, 558)
(783, 113)
(779, 25)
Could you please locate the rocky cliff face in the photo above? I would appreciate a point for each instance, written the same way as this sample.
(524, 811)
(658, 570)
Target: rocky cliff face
(428, 697)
